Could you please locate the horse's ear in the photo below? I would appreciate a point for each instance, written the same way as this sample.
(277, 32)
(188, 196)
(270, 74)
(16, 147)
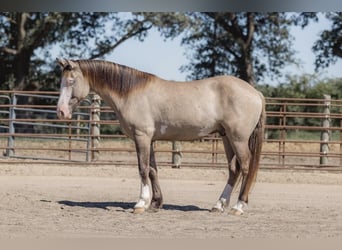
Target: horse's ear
(72, 64)
(66, 64)
(62, 62)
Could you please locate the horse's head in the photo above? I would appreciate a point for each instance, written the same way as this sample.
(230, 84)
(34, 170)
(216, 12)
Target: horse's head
(74, 88)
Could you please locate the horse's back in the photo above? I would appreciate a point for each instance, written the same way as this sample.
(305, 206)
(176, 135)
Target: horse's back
(233, 93)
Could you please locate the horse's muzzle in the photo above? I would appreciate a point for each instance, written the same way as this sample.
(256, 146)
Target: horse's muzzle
(64, 111)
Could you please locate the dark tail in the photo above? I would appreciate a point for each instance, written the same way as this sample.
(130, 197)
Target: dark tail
(255, 145)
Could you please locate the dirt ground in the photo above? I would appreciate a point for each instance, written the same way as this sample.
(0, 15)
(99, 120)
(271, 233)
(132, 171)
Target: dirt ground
(64, 201)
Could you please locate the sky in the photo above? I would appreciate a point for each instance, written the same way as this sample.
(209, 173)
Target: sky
(164, 58)
(154, 55)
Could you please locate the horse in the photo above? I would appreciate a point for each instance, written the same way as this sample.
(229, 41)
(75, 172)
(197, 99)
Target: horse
(150, 108)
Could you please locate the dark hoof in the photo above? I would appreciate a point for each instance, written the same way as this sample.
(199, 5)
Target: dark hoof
(156, 204)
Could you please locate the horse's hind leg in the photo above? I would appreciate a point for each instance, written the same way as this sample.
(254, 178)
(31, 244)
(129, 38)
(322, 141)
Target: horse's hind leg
(243, 156)
(234, 170)
(157, 198)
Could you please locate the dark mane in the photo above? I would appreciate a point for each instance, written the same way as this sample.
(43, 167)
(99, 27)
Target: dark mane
(120, 78)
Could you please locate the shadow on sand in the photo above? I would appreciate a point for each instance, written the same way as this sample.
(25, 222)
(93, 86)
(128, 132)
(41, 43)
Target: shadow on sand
(126, 205)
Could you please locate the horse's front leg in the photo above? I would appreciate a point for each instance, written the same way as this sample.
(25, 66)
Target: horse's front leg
(142, 144)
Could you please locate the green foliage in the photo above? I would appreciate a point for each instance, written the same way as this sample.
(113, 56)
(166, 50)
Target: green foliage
(28, 39)
(304, 86)
(246, 44)
(328, 47)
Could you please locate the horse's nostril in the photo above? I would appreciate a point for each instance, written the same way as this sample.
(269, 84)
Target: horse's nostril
(60, 114)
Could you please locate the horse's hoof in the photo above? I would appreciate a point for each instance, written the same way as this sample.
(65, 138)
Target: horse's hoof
(138, 210)
(156, 204)
(238, 208)
(235, 211)
(217, 210)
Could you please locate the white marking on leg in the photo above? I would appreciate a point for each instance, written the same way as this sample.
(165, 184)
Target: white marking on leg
(224, 198)
(240, 205)
(145, 197)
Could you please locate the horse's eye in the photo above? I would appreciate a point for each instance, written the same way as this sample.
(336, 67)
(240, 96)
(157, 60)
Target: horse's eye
(70, 81)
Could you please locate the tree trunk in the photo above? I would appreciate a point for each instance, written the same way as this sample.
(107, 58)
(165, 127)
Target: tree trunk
(249, 71)
(21, 65)
(246, 67)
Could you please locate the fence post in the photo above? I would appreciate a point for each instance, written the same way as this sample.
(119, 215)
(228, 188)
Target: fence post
(11, 128)
(325, 135)
(95, 126)
(176, 154)
(70, 140)
(214, 148)
(282, 136)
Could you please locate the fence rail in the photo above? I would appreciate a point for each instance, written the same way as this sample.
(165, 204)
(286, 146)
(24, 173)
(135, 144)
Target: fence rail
(300, 134)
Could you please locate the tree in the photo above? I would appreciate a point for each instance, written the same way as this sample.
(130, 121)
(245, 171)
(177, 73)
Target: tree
(328, 47)
(27, 39)
(248, 45)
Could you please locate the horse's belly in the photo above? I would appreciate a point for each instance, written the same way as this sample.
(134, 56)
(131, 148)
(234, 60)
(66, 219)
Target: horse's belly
(183, 133)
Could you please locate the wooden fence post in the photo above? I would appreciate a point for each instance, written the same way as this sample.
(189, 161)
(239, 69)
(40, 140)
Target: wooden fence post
(176, 154)
(282, 136)
(95, 126)
(11, 129)
(325, 134)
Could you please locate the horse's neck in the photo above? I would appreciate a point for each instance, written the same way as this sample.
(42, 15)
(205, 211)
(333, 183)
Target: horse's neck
(109, 97)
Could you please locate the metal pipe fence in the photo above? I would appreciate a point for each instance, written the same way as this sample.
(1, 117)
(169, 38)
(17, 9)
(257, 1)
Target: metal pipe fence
(32, 127)
(300, 134)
